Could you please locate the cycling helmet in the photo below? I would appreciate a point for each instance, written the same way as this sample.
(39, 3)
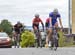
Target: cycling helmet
(18, 22)
(55, 10)
(36, 15)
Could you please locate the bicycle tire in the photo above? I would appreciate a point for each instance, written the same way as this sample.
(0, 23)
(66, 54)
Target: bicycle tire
(38, 37)
(54, 41)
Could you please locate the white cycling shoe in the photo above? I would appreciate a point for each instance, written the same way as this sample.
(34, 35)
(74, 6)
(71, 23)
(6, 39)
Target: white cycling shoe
(49, 44)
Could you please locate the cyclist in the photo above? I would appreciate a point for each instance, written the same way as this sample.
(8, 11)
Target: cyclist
(53, 23)
(18, 28)
(47, 25)
(35, 24)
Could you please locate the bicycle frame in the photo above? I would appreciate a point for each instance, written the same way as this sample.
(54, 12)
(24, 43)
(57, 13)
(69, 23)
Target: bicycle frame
(38, 38)
(17, 39)
(54, 41)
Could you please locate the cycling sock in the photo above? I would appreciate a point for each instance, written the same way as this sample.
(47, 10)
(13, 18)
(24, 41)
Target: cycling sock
(49, 43)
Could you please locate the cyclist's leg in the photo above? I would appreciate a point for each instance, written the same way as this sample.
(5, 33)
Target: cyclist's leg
(40, 39)
(15, 39)
(56, 26)
(47, 39)
(49, 36)
(18, 40)
(36, 36)
(56, 43)
(52, 43)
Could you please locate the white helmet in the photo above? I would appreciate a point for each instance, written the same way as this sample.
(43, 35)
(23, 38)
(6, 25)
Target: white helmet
(55, 10)
(36, 15)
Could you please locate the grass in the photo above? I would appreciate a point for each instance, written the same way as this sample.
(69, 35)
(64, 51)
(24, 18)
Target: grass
(64, 41)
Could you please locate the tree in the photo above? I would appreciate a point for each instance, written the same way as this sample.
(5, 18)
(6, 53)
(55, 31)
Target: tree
(6, 26)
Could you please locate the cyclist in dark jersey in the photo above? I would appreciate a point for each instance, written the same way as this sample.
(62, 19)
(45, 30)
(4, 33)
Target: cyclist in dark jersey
(18, 27)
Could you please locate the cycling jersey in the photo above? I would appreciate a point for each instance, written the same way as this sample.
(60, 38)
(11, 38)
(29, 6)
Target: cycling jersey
(54, 17)
(36, 22)
(17, 28)
(47, 23)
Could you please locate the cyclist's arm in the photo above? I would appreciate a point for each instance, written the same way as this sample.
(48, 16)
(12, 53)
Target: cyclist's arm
(60, 22)
(59, 16)
(42, 24)
(50, 18)
(15, 27)
(22, 27)
(33, 24)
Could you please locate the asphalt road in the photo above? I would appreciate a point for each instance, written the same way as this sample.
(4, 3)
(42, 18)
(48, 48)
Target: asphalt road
(37, 51)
